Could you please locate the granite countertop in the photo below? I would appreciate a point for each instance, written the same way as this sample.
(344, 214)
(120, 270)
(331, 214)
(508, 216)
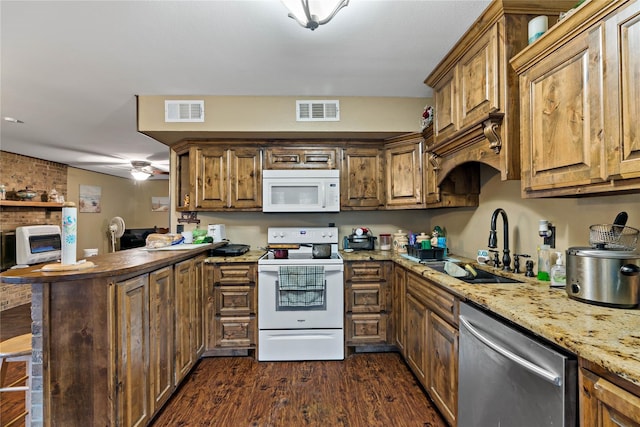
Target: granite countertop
(251, 256)
(609, 337)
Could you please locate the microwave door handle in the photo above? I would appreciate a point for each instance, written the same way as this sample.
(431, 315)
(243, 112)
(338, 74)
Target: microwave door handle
(323, 195)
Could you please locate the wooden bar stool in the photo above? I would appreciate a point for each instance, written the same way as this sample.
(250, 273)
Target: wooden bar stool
(17, 349)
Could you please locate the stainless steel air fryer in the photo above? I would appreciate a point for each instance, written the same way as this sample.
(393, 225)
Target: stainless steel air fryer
(608, 272)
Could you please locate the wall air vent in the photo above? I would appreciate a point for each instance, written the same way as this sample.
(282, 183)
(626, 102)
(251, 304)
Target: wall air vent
(183, 111)
(318, 111)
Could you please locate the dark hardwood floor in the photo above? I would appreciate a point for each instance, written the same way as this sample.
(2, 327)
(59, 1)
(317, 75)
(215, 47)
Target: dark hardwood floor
(370, 389)
(373, 389)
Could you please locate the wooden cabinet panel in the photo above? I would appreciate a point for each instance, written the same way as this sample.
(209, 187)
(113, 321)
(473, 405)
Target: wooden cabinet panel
(245, 178)
(132, 371)
(184, 312)
(235, 332)
(404, 173)
(161, 340)
(563, 127)
(622, 81)
(603, 404)
(199, 306)
(416, 321)
(478, 79)
(234, 300)
(231, 315)
(443, 366)
(209, 174)
(366, 271)
(366, 328)
(300, 158)
(398, 310)
(445, 96)
(362, 178)
(366, 298)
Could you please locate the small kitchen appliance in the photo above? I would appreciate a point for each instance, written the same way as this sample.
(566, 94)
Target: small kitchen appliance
(361, 239)
(608, 272)
(301, 190)
(217, 232)
(301, 296)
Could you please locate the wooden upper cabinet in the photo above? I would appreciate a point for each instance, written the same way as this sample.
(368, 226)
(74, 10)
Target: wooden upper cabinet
(476, 91)
(403, 163)
(219, 177)
(622, 81)
(362, 178)
(245, 178)
(301, 158)
(579, 103)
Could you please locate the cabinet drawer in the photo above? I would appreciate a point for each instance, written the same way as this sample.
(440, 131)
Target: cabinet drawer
(367, 271)
(366, 298)
(235, 332)
(436, 299)
(366, 328)
(234, 274)
(300, 158)
(234, 300)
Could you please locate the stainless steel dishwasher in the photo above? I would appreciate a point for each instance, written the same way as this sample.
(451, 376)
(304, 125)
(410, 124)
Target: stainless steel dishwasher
(508, 378)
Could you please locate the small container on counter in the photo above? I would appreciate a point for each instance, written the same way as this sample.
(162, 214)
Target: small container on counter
(385, 242)
(400, 242)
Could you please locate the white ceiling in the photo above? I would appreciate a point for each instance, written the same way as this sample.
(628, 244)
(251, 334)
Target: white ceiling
(70, 70)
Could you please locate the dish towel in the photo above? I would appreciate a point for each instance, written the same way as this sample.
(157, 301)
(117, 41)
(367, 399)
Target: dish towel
(301, 286)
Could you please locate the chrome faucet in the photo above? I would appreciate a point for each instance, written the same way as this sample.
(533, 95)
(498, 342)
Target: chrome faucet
(493, 238)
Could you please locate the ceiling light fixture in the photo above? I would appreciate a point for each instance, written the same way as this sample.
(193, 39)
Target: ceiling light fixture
(140, 175)
(323, 11)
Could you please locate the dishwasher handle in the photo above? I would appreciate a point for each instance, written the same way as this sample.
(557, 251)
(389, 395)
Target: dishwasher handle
(531, 367)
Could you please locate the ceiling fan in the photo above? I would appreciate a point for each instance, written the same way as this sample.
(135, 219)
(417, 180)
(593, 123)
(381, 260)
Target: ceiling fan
(142, 169)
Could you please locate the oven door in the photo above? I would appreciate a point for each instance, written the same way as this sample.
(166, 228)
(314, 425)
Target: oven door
(300, 296)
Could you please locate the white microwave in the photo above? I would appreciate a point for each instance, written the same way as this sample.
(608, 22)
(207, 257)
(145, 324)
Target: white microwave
(38, 243)
(301, 190)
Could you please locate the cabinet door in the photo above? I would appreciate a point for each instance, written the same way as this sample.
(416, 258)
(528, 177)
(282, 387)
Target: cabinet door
(361, 329)
(443, 366)
(184, 356)
(209, 175)
(245, 178)
(362, 178)
(445, 122)
(416, 321)
(404, 174)
(399, 290)
(622, 96)
(478, 80)
(161, 323)
(133, 362)
(603, 404)
(562, 117)
(199, 306)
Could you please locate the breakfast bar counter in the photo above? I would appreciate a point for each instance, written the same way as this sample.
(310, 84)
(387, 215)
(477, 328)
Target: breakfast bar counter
(99, 334)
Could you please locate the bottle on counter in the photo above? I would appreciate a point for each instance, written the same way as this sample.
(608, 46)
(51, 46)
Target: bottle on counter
(3, 192)
(544, 263)
(559, 273)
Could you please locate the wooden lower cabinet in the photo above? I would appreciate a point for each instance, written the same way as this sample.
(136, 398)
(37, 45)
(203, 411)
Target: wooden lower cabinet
(604, 404)
(231, 308)
(368, 319)
(161, 342)
(184, 314)
(431, 341)
(399, 289)
(132, 363)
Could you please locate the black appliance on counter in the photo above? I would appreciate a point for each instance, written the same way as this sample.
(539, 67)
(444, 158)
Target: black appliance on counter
(360, 239)
(135, 237)
(230, 250)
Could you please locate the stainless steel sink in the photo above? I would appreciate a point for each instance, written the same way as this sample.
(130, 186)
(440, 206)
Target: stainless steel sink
(482, 277)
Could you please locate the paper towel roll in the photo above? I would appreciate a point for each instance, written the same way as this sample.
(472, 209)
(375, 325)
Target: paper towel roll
(537, 27)
(69, 233)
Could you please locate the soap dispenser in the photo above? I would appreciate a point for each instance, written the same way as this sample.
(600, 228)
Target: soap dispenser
(558, 273)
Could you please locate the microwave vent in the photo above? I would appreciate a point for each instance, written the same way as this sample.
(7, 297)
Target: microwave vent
(318, 111)
(183, 111)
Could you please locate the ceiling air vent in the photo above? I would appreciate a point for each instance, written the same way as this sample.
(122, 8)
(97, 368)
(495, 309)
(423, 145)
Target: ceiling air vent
(183, 111)
(318, 111)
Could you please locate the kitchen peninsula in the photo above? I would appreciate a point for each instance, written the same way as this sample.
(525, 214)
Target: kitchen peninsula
(104, 337)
